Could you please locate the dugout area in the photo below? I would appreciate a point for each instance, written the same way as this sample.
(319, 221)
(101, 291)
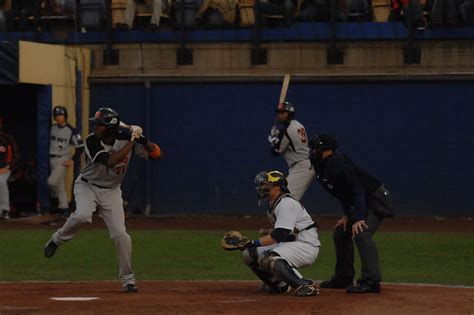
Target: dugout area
(33, 79)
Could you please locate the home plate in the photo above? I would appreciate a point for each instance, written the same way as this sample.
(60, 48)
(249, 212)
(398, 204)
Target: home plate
(74, 298)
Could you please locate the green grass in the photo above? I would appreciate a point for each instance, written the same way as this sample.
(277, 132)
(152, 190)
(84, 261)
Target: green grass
(196, 255)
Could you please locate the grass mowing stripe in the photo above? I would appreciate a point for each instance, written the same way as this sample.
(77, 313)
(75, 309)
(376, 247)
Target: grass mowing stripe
(196, 255)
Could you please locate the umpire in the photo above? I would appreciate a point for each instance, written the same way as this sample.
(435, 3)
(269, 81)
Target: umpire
(365, 202)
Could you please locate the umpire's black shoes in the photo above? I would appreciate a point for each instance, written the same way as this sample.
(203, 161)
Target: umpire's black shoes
(50, 248)
(130, 288)
(335, 283)
(365, 286)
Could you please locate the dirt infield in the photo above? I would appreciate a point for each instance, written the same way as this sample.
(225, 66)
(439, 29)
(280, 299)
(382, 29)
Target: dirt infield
(399, 224)
(226, 298)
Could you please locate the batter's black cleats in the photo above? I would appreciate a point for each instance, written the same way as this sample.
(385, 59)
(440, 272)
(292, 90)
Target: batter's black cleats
(130, 288)
(365, 286)
(335, 284)
(50, 248)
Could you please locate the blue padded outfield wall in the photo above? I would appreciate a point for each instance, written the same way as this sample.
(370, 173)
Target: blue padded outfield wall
(415, 137)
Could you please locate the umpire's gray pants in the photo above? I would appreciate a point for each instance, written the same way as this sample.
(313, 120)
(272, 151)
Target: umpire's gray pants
(57, 180)
(110, 204)
(4, 192)
(369, 255)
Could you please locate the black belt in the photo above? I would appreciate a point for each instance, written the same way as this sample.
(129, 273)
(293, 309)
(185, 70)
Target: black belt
(85, 180)
(309, 227)
(56, 156)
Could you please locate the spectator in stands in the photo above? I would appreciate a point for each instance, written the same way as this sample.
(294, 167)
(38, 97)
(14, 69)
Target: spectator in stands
(226, 8)
(341, 10)
(157, 7)
(311, 10)
(53, 7)
(8, 159)
(403, 10)
(274, 7)
(467, 11)
(23, 9)
(445, 12)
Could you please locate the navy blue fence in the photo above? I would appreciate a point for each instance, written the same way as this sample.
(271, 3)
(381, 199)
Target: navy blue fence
(415, 137)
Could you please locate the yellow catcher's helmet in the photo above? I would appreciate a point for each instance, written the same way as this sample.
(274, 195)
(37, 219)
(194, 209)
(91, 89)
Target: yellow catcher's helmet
(264, 180)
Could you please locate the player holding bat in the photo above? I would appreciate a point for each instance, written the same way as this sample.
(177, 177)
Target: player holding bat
(289, 138)
(108, 152)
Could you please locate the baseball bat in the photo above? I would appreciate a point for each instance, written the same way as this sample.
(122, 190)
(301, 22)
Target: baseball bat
(124, 125)
(284, 88)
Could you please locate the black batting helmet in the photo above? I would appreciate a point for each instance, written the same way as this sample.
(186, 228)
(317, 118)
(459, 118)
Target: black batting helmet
(60, 110)
(106, 117)
(286, 107)
(322, 142)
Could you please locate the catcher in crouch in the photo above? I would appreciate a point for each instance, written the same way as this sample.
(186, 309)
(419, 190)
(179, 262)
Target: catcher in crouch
(292, 244)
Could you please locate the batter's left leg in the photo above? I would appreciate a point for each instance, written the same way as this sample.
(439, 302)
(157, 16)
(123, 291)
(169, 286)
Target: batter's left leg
(299, 178)
(111, 205)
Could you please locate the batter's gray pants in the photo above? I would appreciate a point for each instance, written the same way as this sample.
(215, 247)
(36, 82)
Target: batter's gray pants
(110, 204)
(57, 180)
(299, 178)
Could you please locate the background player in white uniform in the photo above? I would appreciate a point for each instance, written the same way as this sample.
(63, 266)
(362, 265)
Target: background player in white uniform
(108, 152)
(63, 137)
(292, 244)
(288, 137)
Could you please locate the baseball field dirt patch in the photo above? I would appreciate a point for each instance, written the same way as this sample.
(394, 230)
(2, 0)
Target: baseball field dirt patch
(227, 297)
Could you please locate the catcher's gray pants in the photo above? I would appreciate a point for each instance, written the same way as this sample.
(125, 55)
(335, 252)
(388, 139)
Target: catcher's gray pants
(298, 254)
(57, 180)
(4, 192)
(131, 7)
(109, 203)
(299, 178)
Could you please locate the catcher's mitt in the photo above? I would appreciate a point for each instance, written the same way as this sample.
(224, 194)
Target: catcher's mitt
(234, 240)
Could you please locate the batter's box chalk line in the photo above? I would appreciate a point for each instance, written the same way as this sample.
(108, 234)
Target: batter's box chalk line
(74, 298)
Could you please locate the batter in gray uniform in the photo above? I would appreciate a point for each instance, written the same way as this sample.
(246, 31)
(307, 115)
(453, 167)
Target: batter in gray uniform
(62, 137)
(292, 244)
(288, 138)
(108, 152)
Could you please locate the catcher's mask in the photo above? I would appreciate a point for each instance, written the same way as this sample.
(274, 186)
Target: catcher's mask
(265, 180)
(318, 144)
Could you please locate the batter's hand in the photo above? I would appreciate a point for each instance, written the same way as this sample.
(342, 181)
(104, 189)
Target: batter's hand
(136, 132)
(273, 140)
(274, 131)
(342, 221)
(68, 163)
(358, 227)
(3, 170)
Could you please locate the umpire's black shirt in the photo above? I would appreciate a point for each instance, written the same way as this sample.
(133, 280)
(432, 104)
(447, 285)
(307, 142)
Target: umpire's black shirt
(347, 182)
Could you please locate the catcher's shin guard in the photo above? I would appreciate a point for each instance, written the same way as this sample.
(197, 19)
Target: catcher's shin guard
(250, 258)
(286, 273)
(273, 286)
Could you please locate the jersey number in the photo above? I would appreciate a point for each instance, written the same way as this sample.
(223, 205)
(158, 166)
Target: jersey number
(302, 134)
(120, 169)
